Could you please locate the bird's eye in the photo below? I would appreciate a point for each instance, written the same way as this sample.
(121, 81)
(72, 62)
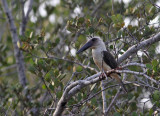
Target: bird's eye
(94, 39)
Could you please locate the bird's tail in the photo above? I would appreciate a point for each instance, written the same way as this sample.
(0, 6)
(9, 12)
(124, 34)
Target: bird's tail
(116, 76)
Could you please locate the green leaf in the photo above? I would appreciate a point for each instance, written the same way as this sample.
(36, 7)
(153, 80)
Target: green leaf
(81, 39)
(108, 20)
(51, 87)
(56, 72)
(79, 96)
(57, 41)
(150, 112)
(43, 86)
(56, 82)
(134, 114)
(130, 96)
(94, 101)
(117, 114)
(154, 63)
(47, 78)
(133, 106)
(59, 94)
(156, 95)
(117, 18)
(149, 66)
(80, 21)
(111, 46)
(32, 69)
(79, 68)
(91, 30)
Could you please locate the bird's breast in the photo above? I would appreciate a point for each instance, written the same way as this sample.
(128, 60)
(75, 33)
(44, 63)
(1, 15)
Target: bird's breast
(98, 60)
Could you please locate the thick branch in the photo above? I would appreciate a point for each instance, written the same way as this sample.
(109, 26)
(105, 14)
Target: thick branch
(71, 90)
(75, 87)
(139, 46)
(18, 54)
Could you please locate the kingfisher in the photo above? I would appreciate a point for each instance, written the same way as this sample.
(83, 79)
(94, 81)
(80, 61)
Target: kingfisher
(102, 58)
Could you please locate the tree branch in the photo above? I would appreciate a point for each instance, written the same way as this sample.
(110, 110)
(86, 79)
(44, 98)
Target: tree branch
(97, 7)
(18, 54)
(133, 72)
(71, 90)
(134, 64)
(114, 99)
(25, 17)
(103, 97)
(76, 86)
(139, 46)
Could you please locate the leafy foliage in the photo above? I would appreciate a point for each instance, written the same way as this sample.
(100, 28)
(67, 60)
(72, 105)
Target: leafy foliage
(49, 45)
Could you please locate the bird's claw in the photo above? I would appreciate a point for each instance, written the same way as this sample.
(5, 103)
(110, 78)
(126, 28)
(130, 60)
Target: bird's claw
(102, 76)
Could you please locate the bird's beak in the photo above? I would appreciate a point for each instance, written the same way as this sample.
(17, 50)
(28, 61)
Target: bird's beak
(85, 46)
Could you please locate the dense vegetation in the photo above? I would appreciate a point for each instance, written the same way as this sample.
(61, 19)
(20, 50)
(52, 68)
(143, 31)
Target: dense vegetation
(49, 36)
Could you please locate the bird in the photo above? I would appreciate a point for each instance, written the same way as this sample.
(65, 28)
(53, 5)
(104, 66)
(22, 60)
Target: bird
(102, 57)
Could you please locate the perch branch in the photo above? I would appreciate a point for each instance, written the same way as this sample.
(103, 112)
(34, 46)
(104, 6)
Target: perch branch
(76, 86)
(139, 46)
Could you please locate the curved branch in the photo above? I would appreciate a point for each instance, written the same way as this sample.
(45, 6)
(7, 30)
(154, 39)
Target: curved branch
(139, 46)
(71, 90)
(76, 86)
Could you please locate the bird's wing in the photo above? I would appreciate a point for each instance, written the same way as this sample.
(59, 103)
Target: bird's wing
(109, 59)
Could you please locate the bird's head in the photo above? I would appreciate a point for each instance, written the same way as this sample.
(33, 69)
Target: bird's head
(93, 43)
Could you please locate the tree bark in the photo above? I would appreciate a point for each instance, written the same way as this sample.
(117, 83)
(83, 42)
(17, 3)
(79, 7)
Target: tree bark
(139, 46)
(17, 52)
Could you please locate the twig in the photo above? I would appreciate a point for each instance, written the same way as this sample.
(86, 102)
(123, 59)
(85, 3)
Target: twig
(67, 60)
(114, 99)
(74, 73)
(47, 87)
(25, 17)
(134, 64)
(76, 86)
(97, 7)
(133, 72)
(82, 102)
(112, 40)
(154, 4)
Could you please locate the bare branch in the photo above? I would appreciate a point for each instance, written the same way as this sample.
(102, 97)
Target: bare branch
(114, 99)
(139, 46)
(133, 72)
(18, 54)
(71, 90)
(25, 17)
(97, 7)
(76, 86)
(103, 97)
(134, 64)
(67, 60)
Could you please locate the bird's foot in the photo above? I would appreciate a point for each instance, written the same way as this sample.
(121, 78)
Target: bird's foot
(119, 68)
(103, 76)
